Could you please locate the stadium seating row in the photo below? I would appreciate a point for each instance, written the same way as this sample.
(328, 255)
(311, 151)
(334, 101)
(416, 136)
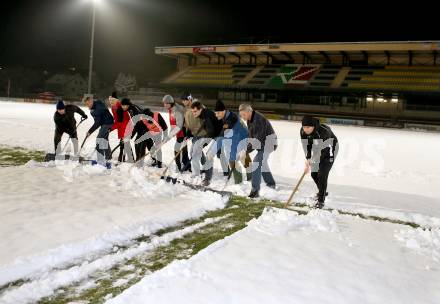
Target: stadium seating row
(418, 78)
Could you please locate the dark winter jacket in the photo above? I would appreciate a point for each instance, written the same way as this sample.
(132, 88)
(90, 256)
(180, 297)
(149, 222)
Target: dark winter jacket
(134, 110)
(210, 123)
(322, 139)
(261, 129)
(67, 122)
(140, 128)
(235, 133)
(228, 122)
(101, 114)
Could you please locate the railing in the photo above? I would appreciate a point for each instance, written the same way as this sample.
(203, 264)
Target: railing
(422, 108)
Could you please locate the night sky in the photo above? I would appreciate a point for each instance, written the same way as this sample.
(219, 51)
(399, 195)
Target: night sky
(55, 34)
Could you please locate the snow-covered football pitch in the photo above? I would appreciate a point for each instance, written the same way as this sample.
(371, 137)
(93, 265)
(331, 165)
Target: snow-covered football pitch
(81, 234)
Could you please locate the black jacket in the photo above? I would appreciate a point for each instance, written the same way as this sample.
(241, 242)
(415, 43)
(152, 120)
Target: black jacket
(101, 115)
(322, 139)
(67, 122)
(261, 129)
(211, 124)
(139, 128)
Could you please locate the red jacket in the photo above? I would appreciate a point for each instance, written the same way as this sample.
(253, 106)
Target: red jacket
(121, 119)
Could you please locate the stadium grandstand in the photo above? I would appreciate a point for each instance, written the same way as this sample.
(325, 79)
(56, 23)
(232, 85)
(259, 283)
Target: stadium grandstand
(377, 82)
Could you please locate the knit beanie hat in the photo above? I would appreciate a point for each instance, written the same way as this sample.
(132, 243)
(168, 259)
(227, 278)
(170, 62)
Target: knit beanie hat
(168, 99)
(125, 102)
(60, 105)
(219, 106)
(308, 121)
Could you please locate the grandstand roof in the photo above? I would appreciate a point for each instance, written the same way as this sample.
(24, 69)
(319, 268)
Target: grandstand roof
(284, 50)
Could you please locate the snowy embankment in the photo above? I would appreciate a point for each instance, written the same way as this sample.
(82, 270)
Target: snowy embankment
(321, 257)
(56, 216)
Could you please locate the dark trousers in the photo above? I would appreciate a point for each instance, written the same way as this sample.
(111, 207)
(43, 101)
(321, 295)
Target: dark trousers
(182, 161)
(73, 135)
(321, 176)
(140, 148)
(262, 170)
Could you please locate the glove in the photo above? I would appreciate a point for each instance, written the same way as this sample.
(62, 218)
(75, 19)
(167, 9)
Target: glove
(241, 156)
(331, 159)
(85, 117)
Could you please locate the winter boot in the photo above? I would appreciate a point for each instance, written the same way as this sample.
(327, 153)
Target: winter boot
(319, 205)
(254, 194)
(206, 182)
(316, 197)
(272, 186)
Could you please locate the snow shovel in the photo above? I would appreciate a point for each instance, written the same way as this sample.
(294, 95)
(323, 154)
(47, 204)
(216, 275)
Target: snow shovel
(114, 149)
(227, 181)
(175, 157)
(175, 180)
(82, 145)
(294, 190)
(70, 137)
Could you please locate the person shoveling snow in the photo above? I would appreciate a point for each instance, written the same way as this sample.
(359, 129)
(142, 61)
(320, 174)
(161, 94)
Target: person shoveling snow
(64, 118)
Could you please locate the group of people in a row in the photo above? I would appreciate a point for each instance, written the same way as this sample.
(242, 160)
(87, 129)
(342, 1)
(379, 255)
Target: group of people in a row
(214, 133)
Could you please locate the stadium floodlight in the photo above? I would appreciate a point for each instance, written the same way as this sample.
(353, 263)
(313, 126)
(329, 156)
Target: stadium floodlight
(370, 99)
(380, 99)
(395, 100)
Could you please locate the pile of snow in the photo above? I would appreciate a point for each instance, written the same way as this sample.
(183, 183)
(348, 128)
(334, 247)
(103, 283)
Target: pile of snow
(286, 258)
(423, 241)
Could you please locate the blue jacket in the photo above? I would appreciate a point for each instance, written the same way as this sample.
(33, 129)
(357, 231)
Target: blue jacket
(101, 115)
(233, 138)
